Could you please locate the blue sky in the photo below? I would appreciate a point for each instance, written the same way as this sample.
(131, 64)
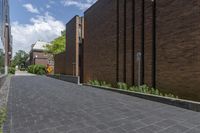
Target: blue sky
(33, 20)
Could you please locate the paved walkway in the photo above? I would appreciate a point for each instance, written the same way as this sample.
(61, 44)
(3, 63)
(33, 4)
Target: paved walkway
(38, 104)
(23, 73)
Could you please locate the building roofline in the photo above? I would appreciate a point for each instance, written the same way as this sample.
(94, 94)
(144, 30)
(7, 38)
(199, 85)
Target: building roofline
(72, 19)
(91, 7)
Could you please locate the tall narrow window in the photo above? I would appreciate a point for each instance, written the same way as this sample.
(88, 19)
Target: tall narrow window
(117, 47)
(133, 43)
(125, 16)
(142, 40)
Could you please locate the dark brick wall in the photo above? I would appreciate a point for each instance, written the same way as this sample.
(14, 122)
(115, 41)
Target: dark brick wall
(71, 46)
(138, 35)
(42, 58)
(178, 56)
(74, 36)
(60, 60)
(100, 41)
(177, 44)
(148, 43)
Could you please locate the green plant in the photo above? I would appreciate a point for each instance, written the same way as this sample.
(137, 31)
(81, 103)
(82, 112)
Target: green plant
(37, 69)
(140, 89)
(30, 68)
(3, 115)
(146, 90)
(122, 86)
(11, 70)
(99, 83)
(22, 69)
(103, 83)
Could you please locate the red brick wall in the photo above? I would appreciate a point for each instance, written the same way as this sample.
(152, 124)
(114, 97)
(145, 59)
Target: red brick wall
(100, 42)
(148, 43)
(71, 46)
(177, 44)
(42, 58)
(178, 49)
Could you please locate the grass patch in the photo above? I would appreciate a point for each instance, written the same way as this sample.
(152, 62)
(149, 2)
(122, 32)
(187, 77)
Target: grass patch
(3, 116)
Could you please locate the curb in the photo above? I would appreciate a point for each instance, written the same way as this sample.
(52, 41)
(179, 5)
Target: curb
(186, 104)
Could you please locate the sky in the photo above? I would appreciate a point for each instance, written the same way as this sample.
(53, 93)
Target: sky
(33, 20)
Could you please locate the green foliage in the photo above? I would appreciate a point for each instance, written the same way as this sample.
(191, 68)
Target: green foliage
(22, 69)
(99, 83)
(20, 59)
(121, 85)
(103, 83)
(11, 70)
(140, 89)
(37, 69)
(57, 46)
(3, 115)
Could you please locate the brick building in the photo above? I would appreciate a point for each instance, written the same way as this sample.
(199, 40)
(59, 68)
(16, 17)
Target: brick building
(5, 36)
(39, 56)
(150, 42)
(72, 56)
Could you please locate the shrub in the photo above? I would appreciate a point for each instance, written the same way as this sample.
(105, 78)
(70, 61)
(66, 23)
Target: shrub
(99, 83)
(30, 68)
(22, 69)
(37, 69)
(11, 70)
(141, 89)
(122, 86)
(103, 83)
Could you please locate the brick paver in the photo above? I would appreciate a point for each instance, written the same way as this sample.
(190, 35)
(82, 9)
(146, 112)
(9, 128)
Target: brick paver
(38, 104)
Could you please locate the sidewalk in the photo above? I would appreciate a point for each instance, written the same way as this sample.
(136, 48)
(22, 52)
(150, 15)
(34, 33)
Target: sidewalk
(23, 73)
(38, 104)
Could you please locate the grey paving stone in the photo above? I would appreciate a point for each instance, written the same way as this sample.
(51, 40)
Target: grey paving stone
(193, 131)
(175, 129)
(38, 104)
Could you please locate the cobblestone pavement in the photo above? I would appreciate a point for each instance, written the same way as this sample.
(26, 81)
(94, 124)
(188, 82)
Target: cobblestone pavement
(38, 104)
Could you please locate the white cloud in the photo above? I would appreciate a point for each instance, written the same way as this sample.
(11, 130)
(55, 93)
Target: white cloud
(44, 28)
(29, 7)
(81, 4)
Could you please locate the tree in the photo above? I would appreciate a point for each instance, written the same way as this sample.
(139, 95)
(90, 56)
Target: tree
(20, 59)
(57, 46)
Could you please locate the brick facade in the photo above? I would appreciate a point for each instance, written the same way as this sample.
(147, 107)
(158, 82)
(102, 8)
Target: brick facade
(40, 57)
(100, 42)
(116, 30)
(60, 63)
(70, 62)
(178, 56)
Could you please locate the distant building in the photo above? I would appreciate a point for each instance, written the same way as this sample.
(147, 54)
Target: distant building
(39, 56)
(5, 33)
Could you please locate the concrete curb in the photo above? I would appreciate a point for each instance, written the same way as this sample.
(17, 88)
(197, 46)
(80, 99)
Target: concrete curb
(186, 104)
(67, 78)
